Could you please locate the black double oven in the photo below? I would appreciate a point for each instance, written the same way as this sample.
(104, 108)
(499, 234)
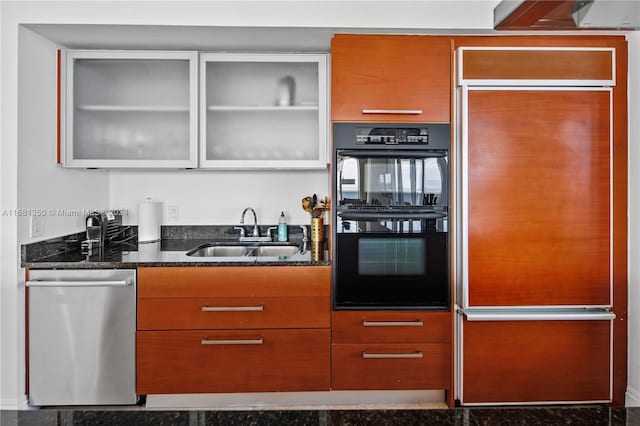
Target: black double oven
(391, 216)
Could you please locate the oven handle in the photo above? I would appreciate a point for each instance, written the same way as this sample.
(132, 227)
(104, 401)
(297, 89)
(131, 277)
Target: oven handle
(389, 215)
(427, 153)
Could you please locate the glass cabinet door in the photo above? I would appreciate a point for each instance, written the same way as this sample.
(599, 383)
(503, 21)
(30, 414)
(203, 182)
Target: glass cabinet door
(131, 109)
(263, 111)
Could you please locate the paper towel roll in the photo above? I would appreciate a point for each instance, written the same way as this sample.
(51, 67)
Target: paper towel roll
(149, 221)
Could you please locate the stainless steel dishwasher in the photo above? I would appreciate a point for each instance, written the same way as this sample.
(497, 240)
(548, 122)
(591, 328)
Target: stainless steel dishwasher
(82, 328)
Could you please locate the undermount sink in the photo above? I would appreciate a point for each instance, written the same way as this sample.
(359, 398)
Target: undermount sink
(217, 251)
(275, 250)
(255, 249)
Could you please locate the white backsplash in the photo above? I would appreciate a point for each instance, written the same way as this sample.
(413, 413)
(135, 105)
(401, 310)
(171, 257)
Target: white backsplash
(208, 197)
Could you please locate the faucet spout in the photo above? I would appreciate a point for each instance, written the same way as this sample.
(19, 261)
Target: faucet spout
(256, 231)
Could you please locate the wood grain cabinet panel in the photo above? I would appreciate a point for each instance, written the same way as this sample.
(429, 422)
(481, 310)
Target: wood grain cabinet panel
(391, 350)
(390, 366)
(233, 313)
(390, 326)
(536, 361)
(241, 361)
(390, 72)
(233, 281)
(544, 64)
(539, 197)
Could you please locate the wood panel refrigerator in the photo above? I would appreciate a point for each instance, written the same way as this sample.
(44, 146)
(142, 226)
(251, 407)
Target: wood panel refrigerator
(535, 262)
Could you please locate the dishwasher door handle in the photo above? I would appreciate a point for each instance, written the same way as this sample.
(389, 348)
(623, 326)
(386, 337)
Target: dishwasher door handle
(88, 283)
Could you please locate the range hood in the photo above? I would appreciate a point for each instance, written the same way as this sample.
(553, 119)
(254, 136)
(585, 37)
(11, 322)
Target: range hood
(567, 15)
(611, 14)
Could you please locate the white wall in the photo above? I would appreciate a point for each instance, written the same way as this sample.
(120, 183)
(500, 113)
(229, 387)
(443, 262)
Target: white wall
(42, 184)
(218, 197)
(633, 385)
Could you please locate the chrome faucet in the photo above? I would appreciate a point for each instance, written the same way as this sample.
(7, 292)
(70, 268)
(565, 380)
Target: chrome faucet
(256, 231)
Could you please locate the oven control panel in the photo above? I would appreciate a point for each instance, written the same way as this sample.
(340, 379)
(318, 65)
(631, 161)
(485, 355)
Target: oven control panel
(392, 135)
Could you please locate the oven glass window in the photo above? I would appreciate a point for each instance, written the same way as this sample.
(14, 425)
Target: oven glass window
(391, 256)
(391, 181)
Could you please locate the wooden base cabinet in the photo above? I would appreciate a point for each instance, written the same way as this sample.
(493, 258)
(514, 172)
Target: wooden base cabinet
(536, 361)
(232, 361)
(390, 350)
(233, 329)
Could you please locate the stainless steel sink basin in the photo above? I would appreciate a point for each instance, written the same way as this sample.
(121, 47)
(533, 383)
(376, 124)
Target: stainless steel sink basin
(254, 249)
(275, 251)
(217, 251)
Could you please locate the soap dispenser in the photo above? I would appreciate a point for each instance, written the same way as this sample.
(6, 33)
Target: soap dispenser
(282, 228)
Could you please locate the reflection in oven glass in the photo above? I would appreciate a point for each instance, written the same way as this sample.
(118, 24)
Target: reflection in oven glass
(391, 181)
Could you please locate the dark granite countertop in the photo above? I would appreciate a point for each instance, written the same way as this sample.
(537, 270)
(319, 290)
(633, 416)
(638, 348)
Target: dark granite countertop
(489, 416)
(64, 253)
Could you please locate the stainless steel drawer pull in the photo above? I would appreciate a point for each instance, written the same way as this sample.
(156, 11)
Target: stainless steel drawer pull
(416, 323)
(389, 356)
(207, 341)
(38, 283)
(392, 111)
(232, 308)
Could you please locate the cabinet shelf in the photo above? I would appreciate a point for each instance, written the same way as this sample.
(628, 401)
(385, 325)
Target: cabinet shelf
(262, 108)
(133, 108)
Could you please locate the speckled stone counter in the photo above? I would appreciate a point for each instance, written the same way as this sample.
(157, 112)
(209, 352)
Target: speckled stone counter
(64, 252)
(543, 416)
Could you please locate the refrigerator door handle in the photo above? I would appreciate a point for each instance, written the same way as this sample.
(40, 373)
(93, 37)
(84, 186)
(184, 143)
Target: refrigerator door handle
(539, 316)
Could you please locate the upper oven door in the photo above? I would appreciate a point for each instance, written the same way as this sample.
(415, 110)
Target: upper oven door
(391, 229)
(390, 179)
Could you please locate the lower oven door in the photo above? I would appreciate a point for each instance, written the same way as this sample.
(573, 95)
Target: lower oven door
(392, 264)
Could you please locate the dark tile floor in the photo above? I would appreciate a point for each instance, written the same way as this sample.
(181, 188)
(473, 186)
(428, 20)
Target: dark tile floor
(543, 416)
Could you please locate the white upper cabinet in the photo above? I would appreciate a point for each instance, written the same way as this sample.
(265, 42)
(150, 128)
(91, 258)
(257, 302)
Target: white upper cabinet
(264, 111)
(130, 109)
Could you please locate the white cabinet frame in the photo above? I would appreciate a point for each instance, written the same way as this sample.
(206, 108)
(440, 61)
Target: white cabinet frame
(67, 107)
(316, 163)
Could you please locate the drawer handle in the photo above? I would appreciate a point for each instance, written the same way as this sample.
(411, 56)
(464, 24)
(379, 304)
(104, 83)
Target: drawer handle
(416, 323)
(232, 308)
(389, 356)
(392, 111)
(207, 341)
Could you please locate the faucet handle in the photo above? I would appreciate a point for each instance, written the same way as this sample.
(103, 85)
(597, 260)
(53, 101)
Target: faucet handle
(241, 229)
(269, 229)
(305, 233)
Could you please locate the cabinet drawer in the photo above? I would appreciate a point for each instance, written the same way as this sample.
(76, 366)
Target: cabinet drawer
(234, 281)
(390, 366)
(232, 313)
(232, 361)
(482, 65)
(390, 326)
(536, 361)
